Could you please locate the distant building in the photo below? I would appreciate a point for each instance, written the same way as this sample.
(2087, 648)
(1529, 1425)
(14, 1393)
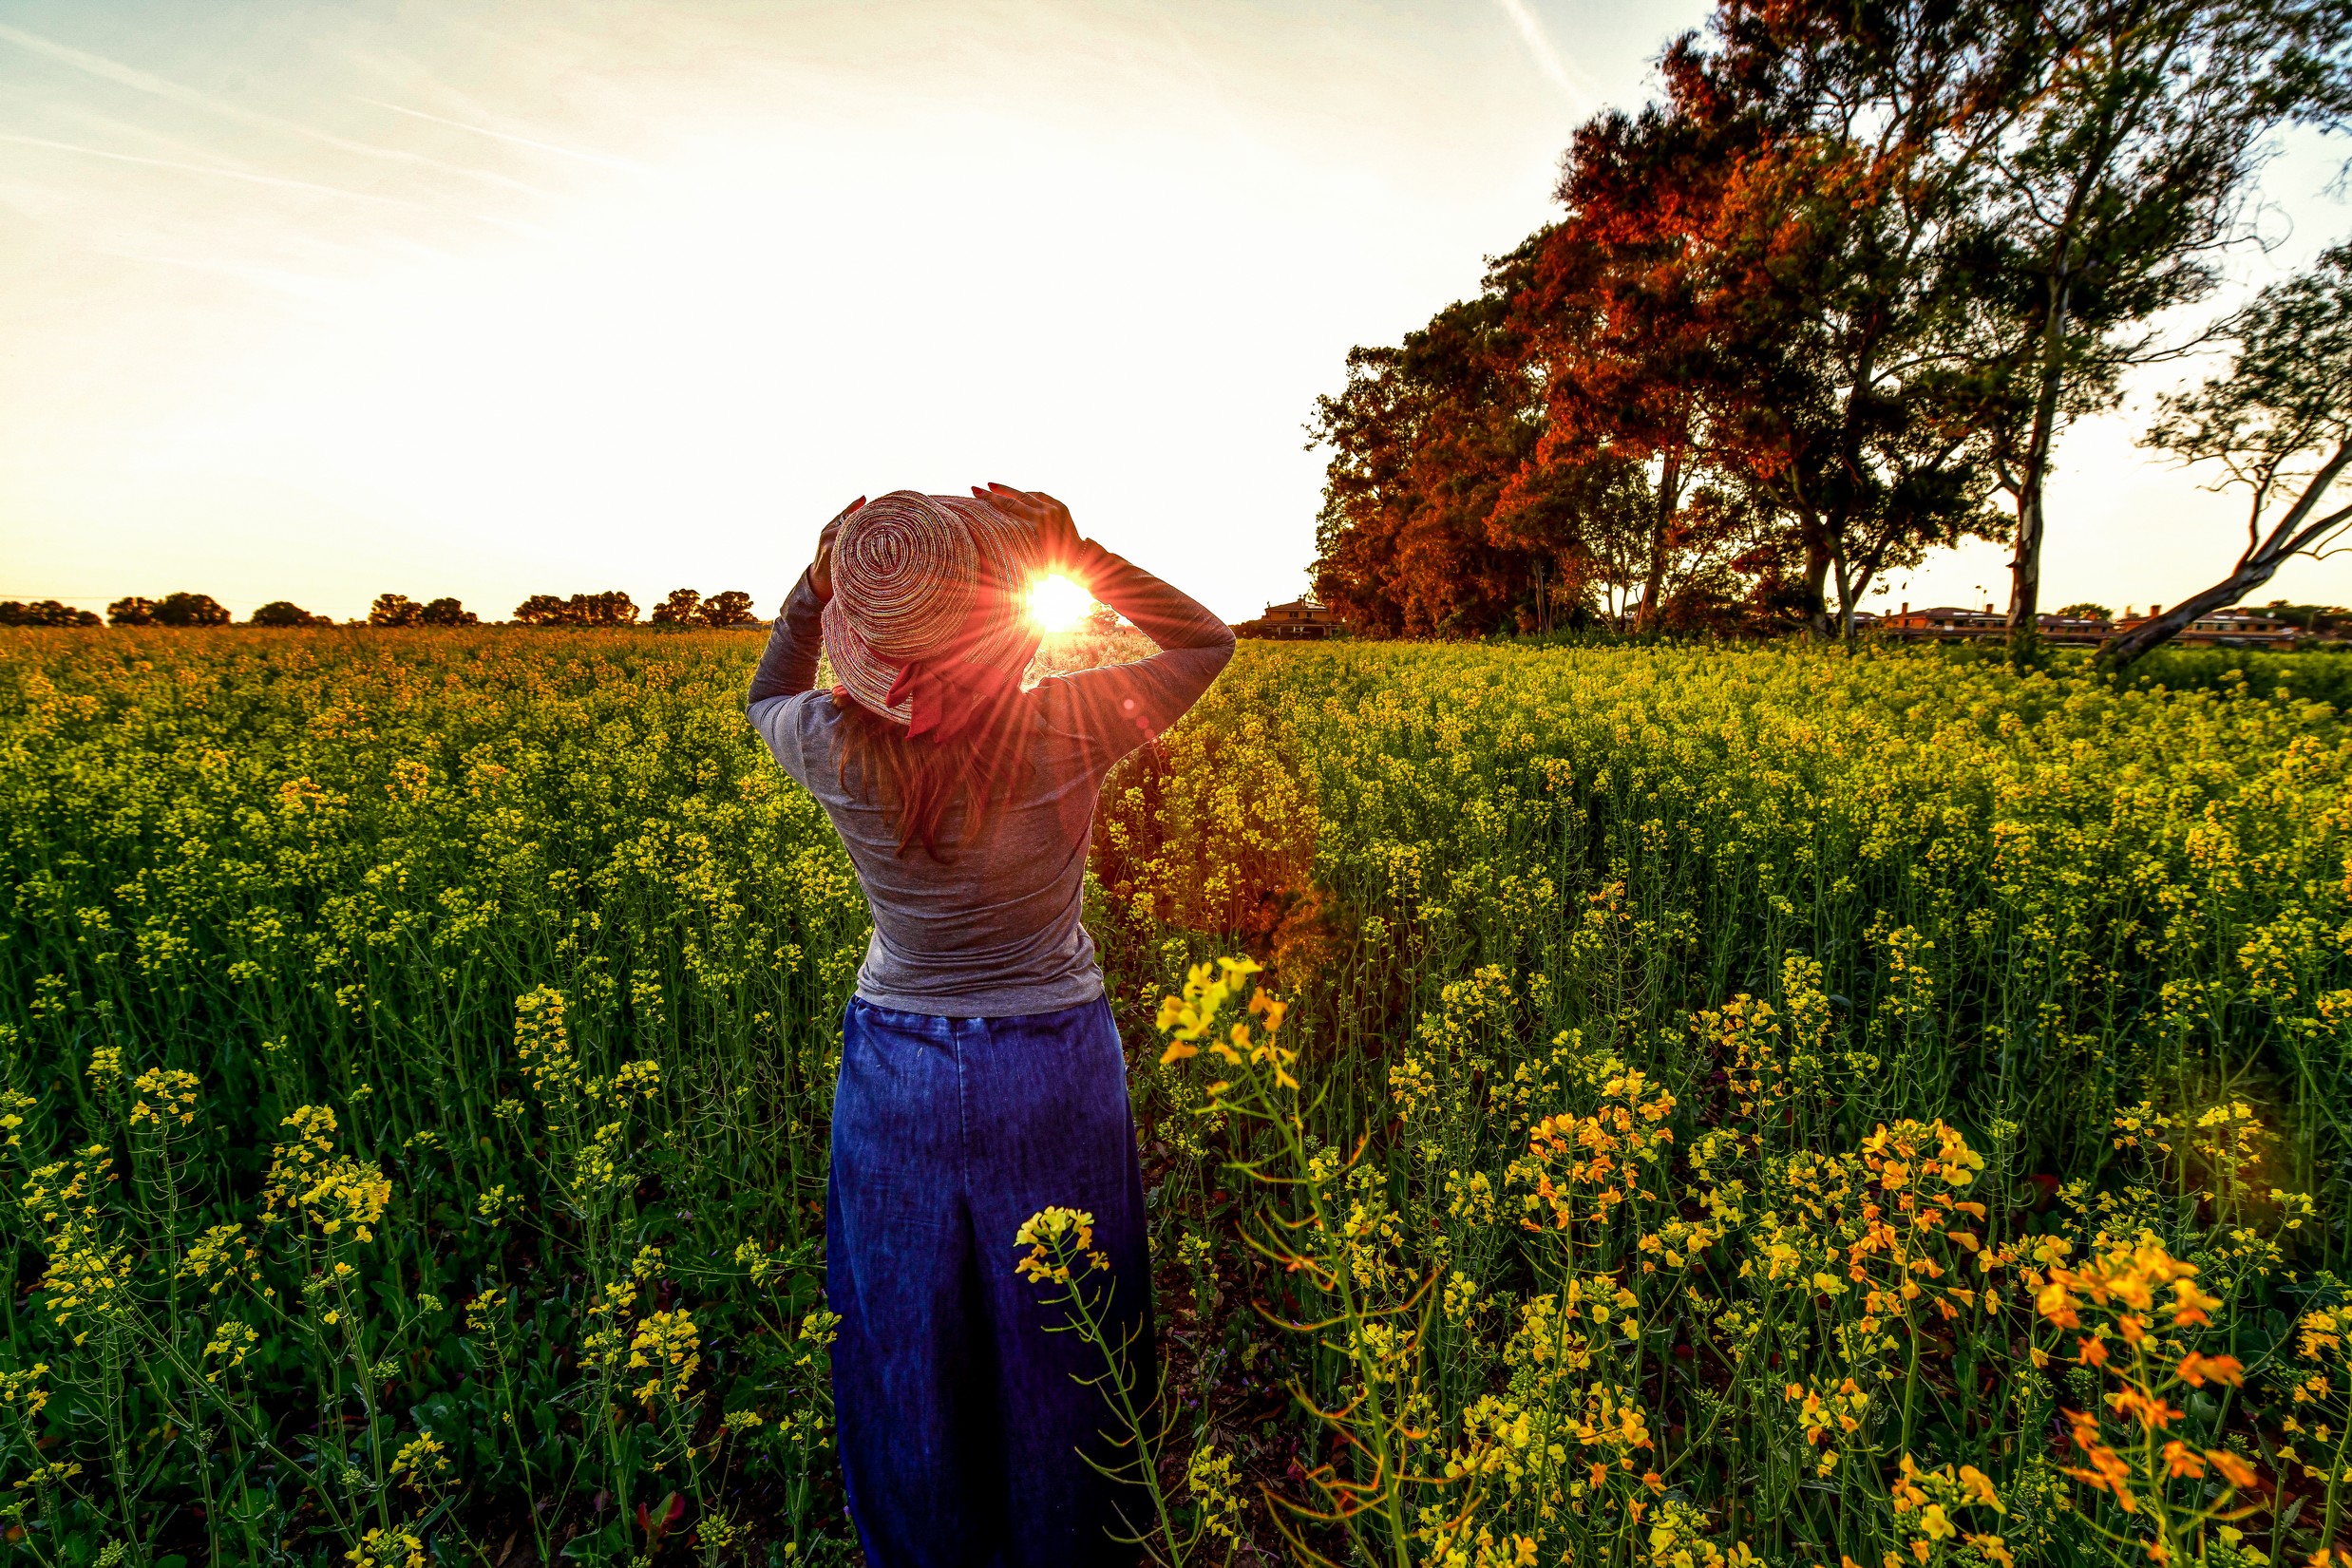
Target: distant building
(1959, 623)
(1944, 620)
(2224, 628)
(1298, 620)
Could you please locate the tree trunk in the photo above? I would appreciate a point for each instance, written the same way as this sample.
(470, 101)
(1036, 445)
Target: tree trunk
(2025, 559)
(1816, 577)
(2124, 647)
(1846, 594)
(1669, 502)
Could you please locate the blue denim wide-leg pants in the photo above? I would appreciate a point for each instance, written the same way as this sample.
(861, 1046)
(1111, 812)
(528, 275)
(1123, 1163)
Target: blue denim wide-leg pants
(961, 1419)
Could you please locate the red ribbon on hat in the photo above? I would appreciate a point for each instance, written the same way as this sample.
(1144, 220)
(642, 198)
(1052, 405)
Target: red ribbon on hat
(948, 698)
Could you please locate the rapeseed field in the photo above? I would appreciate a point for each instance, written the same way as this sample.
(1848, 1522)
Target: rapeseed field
(1631, 1107)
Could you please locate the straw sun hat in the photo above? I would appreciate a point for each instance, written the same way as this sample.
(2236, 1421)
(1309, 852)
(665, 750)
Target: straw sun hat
(926, 626)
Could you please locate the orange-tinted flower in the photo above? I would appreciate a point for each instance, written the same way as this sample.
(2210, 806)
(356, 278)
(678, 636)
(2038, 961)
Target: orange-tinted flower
(2195, 1368)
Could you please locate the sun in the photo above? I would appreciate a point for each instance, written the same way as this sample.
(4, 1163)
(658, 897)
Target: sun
(1056, 603)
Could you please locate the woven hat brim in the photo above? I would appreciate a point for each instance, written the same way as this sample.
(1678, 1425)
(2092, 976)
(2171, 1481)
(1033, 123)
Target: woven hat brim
(995, 630)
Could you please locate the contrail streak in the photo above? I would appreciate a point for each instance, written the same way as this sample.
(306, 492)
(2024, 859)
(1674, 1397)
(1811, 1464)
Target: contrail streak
(202, 168)
(147, 82)
(621, 164)
(1539, 44)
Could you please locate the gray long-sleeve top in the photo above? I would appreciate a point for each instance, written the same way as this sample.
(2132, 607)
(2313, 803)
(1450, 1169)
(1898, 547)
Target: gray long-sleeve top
(994, 931)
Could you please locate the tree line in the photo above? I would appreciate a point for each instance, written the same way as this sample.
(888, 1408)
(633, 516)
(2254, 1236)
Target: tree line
(684, 607)
(44, 613)
(1831, 302)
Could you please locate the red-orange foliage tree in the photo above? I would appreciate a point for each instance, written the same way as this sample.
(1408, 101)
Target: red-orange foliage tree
(1783, 338)
(1634, 414)
(1426, 436)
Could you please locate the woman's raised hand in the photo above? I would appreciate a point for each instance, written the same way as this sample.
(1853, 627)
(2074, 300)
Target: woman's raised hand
(1057, 533)
(821, 570)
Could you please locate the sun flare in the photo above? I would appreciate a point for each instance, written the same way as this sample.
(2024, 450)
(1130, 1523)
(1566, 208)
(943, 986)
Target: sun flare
(1056, 603)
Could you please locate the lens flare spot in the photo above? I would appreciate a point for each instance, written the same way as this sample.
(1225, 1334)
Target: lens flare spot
(1056, 603)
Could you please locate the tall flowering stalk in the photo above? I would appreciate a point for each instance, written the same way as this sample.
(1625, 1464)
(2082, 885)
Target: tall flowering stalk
(2319, 1409)
(1809, 897)
(1076, 1291)
(1383, 1489)
(2135, 1447)
(280, 876)
(177, 1319)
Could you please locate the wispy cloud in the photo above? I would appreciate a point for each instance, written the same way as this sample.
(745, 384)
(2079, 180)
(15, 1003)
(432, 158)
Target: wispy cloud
(1547, 59)
(598, 159)
(147, 82)
(212, 170)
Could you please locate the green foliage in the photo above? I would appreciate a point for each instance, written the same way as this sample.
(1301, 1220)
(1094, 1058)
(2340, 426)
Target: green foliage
(2287, 399)
(2279, 423)
(610, 608)
(286, 613)
(685, 607)
(395, 610)
(418, 1056)
(400, 609)
(501, 973)
(189, 610)
(682, 608)
(447, 612)
(732, 607)
(44, 613)
(1631, 971)
(180, 610)
(2317, 677)
(1829, 301)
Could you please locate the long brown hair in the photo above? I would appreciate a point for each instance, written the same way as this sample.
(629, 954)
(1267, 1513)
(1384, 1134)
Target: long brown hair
(915, 781)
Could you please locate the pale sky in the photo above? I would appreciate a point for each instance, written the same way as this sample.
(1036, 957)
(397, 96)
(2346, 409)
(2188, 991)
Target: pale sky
(315, 301)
